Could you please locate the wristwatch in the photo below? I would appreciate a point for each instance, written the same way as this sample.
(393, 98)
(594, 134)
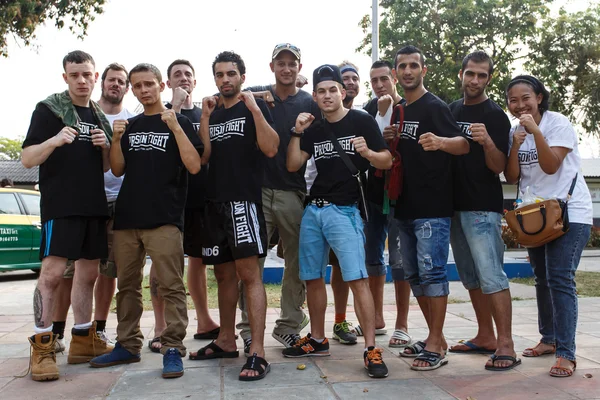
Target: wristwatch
(294, 133)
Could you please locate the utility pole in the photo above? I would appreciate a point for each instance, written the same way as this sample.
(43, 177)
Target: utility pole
(375, 31)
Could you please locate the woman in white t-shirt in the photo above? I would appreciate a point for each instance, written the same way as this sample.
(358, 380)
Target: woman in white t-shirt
(544, 157)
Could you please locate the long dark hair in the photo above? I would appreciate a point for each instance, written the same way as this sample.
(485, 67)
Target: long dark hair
(537, 86)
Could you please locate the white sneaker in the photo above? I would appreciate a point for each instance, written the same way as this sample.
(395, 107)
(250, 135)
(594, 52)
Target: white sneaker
(102, 335)
(59, 345)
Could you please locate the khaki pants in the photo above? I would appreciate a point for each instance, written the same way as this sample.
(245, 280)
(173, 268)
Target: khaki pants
(283, 209)
(165, 246)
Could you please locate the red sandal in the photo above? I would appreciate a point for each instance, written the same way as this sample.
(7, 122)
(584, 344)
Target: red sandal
(568, 371)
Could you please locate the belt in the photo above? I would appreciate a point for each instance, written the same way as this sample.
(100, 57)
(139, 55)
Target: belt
(320, 202)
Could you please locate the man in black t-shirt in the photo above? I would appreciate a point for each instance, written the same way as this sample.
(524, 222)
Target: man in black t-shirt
(428, 137)
(475, 234)
(283, 193)
(154, 152)
(332, 219)
(182, 80)
(67, 138)
(381, 213)
(240, 137)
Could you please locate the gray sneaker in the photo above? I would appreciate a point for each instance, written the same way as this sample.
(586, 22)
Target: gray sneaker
(342, 333)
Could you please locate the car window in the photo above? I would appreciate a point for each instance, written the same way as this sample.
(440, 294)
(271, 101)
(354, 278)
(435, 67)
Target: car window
(32, 202)
(8, 204)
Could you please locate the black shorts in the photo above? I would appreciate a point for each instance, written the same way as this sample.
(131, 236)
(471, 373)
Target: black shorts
(74, 238)
(233, 230)
(193, 227)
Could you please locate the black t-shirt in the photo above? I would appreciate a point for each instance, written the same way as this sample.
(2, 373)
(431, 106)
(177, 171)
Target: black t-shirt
(72, 177)
(236, 165)
(427, 188)
(155, 185)
(334, 182)
(196, 192)
(376, 184)
(284, 116)
(476, 187)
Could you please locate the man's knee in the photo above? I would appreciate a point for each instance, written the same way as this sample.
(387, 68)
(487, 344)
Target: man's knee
(248, 270)
(53, 269)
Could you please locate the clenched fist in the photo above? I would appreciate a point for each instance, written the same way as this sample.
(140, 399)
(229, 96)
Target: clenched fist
(65, 136)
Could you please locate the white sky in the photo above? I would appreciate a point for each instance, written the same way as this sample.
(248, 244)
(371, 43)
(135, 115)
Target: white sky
(158, 32)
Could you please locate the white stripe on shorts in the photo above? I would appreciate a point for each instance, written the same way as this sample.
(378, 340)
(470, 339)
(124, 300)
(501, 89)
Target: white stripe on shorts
(256, 225)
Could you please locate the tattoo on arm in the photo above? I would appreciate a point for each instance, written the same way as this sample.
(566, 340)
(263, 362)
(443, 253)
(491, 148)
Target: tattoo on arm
(38, 308)
(154, 287)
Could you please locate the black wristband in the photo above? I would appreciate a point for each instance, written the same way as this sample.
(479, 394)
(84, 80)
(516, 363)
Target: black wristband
(294, 133)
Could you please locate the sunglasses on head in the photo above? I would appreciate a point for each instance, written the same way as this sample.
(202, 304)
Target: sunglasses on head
(287, 46)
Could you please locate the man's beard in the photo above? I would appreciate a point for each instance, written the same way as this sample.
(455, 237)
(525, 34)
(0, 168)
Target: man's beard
(236, 91)
(112, 99)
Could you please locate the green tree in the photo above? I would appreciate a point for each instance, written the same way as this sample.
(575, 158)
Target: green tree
(10, 149)
(447, 30)
(565, 55)
(20, 18)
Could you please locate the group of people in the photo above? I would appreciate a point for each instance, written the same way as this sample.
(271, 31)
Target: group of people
(215, 183)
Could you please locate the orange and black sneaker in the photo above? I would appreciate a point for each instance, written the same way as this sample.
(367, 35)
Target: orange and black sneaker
(374, 363)
(308, 347)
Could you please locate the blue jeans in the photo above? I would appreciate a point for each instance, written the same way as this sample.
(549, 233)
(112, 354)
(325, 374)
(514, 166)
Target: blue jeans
(478, 248)
(425, 244)
(554, 266)
(338, 227)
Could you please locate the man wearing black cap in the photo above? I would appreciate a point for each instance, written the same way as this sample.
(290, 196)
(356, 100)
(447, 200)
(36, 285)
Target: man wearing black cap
(332, 217)
(283, 193)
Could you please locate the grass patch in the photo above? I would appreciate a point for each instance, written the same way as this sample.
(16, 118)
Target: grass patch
(273, 292)
(588, 283)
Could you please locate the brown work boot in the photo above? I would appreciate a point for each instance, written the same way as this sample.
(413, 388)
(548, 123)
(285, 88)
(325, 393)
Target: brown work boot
(85, 345)
(43, 359)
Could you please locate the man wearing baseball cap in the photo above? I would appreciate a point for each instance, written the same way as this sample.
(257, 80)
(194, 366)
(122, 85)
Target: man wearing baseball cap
(283, 192)
(332, 217)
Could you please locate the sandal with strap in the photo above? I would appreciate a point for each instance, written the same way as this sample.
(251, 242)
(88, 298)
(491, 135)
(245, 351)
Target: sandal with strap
(532, 352)
(515, 361)
(435, 361)
(416, 348)
(151, 347)
(359, 332)
(217, 352)
(258, 364)
(402, 336)
(568, 371)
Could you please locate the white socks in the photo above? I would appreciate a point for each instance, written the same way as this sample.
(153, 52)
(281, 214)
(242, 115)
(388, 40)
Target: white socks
(42, 330)
(83, 326)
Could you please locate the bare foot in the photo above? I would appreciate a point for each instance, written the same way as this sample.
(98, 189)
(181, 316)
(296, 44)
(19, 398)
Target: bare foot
(563, 367)
(539, 350)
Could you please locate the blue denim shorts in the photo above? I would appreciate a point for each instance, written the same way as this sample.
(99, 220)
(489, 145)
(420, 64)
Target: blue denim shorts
(478, 248)
(339, 228)
(424, 248)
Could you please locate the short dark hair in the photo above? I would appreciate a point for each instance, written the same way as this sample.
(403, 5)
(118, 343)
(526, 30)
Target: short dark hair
(179, 61)
(230, 56)
(6, 182)
(146, 67)
(115, 67)
(537, 86)
(479, 56)
(410, 49)
(382, 64)
(77, 57)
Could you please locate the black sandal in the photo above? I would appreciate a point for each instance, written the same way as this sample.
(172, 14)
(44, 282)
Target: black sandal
(217, 352)
(152, 348)
(258, 364)
(210, 335)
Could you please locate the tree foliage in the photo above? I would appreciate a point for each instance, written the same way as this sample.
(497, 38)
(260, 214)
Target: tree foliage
(20, 18)
(564, 52)
(10, 149)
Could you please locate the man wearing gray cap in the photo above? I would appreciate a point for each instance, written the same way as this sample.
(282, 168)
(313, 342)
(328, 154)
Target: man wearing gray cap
(332, 218)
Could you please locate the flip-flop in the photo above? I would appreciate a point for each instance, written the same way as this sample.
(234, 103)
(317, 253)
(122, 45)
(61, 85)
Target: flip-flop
(435, 361)
(359, 332)
(399, 334)
(152, 348)
(416, 349)
(534, 353)
(217, 352)
(258, 364)
(515, 361)
(473, 348)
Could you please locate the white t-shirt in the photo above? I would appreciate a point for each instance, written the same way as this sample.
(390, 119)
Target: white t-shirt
(558, 132)
(112, 184)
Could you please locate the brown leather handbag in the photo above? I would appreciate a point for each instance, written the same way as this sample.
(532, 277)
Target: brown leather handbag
(536, 224)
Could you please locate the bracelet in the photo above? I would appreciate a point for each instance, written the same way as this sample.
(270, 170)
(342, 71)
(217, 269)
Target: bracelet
(294, 133)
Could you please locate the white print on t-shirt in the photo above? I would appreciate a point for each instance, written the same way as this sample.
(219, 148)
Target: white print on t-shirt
(246, 228)
(528, 157)
(84, 131)
(465, 127)
(326, 150)
(148, 141)
(224, 130)
(196, 126)
(409, 129)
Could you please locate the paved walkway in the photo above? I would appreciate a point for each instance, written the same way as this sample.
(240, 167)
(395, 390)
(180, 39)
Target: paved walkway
(340, 376)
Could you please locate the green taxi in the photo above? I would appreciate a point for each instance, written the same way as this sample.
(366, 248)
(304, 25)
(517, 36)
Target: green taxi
(20, 229)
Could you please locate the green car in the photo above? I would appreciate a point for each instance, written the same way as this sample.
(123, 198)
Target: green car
(20, 230)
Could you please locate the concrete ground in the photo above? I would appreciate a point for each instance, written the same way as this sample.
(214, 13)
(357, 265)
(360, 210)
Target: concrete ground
(340, 376)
